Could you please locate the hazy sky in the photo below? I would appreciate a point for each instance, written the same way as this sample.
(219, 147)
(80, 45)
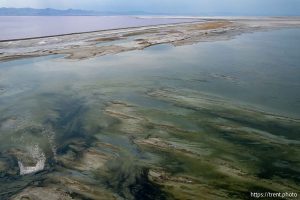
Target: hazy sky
(212, 7)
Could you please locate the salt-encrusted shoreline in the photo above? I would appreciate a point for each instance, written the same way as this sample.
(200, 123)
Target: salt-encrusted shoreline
(98, 43)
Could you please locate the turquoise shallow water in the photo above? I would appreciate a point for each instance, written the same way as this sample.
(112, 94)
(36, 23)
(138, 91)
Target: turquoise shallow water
(60, 113)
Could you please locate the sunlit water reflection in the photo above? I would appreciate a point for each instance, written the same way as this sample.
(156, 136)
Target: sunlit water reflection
(47, 101)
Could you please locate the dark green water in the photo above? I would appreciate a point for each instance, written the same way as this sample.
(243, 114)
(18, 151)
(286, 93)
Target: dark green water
(53, 110)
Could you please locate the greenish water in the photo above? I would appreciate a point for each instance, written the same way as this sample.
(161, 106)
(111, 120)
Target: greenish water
(95, 122)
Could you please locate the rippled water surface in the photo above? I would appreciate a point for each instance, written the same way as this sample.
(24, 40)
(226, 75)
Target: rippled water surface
(60, 117)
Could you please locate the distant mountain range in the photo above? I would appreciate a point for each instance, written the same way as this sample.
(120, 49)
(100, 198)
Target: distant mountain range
(55, 12)
(76, 12)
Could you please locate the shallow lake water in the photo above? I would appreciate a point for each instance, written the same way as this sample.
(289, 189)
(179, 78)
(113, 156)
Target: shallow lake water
(53, 109)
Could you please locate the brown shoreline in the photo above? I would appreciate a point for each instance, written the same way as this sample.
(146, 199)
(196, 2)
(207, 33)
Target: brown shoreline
(79, 46)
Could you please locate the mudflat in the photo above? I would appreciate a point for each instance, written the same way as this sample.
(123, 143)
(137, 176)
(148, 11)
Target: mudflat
(87, 45)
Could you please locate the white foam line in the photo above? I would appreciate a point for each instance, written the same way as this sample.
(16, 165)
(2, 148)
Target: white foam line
(40, 159)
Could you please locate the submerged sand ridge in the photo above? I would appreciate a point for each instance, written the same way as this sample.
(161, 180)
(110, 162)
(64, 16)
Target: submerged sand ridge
(138, 154)
(87, 45)
(106, 131)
